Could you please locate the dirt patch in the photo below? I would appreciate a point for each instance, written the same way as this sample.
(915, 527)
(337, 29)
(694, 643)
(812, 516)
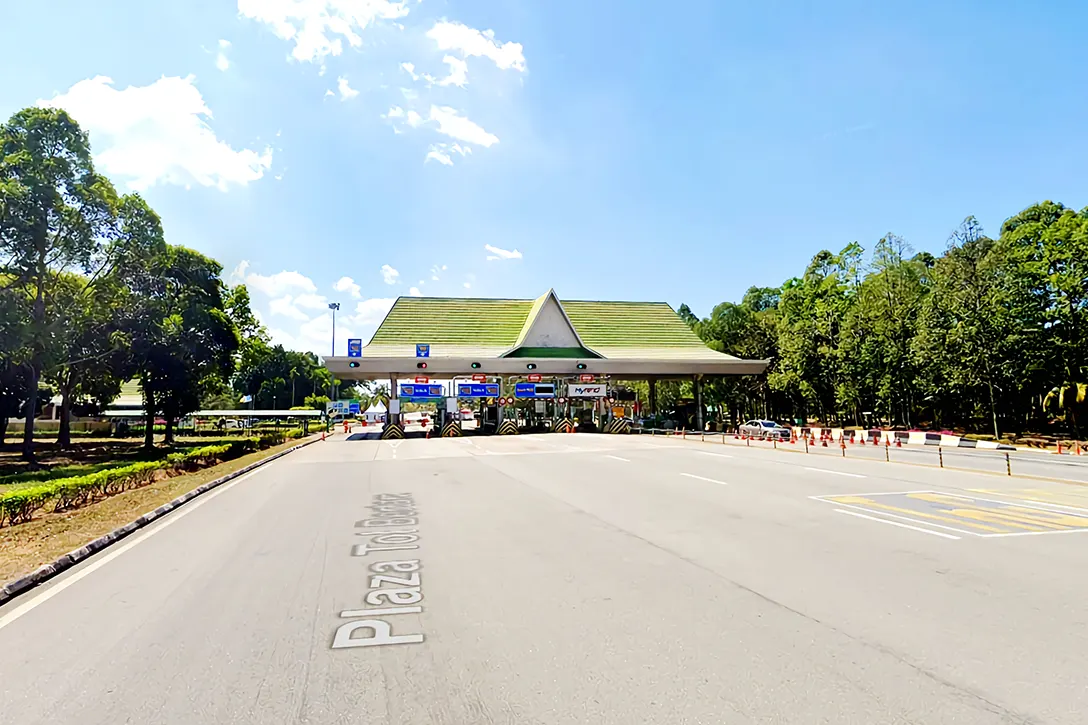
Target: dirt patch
(25, 547)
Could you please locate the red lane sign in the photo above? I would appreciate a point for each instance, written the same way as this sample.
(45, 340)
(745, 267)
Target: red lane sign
(502, 401)
(422, 379)
(534, 378)
(479, 378)
(586, 378)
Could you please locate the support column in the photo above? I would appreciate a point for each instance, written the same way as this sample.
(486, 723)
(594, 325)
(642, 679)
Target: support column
(698, 403)
(394, 394)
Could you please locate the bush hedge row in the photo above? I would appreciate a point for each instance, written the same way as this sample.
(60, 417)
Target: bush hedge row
(19, 505)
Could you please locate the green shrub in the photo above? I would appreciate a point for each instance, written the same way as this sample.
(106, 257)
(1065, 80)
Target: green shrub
(293, 433)
(18, 505)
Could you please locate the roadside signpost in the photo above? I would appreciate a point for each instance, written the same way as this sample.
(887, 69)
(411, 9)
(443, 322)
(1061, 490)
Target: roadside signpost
(355, 348)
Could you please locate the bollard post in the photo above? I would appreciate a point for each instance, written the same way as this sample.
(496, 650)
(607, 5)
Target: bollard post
(1008, 465)
(723, 437)
(843, 446)
(774, 442)
(940, 456)
(748, 441)
(887, 454)
(702, 437)
(806, 445)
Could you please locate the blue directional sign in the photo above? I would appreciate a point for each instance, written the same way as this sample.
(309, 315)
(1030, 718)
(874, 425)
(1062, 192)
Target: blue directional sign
(423, 350)
(419, 390)
(355, 348)
(478, 390)
(534, 390)
(353, 406)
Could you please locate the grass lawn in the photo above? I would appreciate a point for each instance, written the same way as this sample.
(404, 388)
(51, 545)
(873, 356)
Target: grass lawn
(25, 547)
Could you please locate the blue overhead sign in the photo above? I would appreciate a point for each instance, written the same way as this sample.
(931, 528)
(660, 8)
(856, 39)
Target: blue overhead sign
(534, 390)
(420, 391)
(353, 406)
(478, 390)
(423, 350)
(355, 348)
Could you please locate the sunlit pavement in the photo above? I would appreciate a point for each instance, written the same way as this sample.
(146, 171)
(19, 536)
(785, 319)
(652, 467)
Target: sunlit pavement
(573, 579)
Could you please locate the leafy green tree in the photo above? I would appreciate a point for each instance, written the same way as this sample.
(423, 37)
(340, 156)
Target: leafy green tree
(56, 214)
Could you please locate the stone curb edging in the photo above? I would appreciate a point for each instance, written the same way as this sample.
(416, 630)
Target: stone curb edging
(45, 572)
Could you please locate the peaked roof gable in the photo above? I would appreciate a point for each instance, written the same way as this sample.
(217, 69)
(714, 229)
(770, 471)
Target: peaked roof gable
(547, 326)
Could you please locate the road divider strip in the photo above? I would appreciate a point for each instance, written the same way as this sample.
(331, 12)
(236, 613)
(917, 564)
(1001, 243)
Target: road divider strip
(704, 478)
(47, 571)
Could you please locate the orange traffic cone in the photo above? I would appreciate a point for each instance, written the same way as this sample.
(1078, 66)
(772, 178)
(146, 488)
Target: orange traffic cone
(898, 442)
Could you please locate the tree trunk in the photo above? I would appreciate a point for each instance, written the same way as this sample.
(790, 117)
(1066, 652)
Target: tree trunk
(3, 432)
(993, 408)
(168, 439)
(64, 434)
(292, 405)
(30, 412)
(149, 420)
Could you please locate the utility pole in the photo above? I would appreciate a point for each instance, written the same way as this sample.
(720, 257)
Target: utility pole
(334, 306)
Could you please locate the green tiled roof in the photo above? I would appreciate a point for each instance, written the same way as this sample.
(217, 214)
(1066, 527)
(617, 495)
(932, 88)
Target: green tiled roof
(630, 324)
(440, 320)
(492, 327)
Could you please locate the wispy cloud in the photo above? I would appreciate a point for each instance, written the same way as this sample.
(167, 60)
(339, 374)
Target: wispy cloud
(499, 253)
(389, 275)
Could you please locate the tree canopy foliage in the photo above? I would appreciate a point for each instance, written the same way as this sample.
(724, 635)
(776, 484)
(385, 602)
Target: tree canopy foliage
(991, 335)
(92, 296)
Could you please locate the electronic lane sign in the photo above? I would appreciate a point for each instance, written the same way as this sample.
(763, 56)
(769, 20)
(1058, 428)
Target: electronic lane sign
(420, 391)
(534, 390)
(355, 348)
(477, 390)
(423, 350)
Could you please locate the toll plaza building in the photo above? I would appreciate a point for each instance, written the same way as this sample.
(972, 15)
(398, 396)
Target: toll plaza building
(543, 361)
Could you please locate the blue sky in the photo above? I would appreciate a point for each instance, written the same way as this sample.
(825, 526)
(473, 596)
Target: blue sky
(625, 150)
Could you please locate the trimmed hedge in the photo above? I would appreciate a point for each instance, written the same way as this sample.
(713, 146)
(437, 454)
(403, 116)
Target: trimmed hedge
(19, 505)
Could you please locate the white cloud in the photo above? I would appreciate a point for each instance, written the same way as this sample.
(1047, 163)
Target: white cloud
(329, 93)
(421, 283)
(434, 272)
(498, 253)
(372, 311)
(441, 152)
(316, 335)
(318, 27)
(472, 42)
(346, 91)
(278, 284)
(312, 302)
(458, 72)
(460, 127)
(238, 274)
(221, 60)
(389, 275)
(468, 285)
(158, 133)
(347, 284)
(410, 69)
(414, 292)
(285, 307)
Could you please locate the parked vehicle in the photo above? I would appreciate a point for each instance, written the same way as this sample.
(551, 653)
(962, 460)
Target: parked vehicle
(764, 429)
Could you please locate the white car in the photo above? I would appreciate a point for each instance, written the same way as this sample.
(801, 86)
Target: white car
(764, 429)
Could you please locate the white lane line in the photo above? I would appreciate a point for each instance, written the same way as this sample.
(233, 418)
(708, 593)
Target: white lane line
(617, 458)
(896, 523)
(114, 552)
(716, 455)
(837, 473)
(702, 478)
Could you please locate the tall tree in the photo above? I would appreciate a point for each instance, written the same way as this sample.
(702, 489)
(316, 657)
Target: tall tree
(56, 214)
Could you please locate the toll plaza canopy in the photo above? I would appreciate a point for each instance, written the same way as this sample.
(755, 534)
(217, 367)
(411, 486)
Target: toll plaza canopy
(457, 336)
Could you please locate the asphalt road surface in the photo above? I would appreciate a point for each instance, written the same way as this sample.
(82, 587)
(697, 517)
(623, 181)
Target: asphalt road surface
(572, 579)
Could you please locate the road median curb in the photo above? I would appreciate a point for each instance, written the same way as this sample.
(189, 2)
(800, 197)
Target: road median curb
(45, 572)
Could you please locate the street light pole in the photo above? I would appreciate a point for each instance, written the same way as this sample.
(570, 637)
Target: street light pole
(334, 306)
